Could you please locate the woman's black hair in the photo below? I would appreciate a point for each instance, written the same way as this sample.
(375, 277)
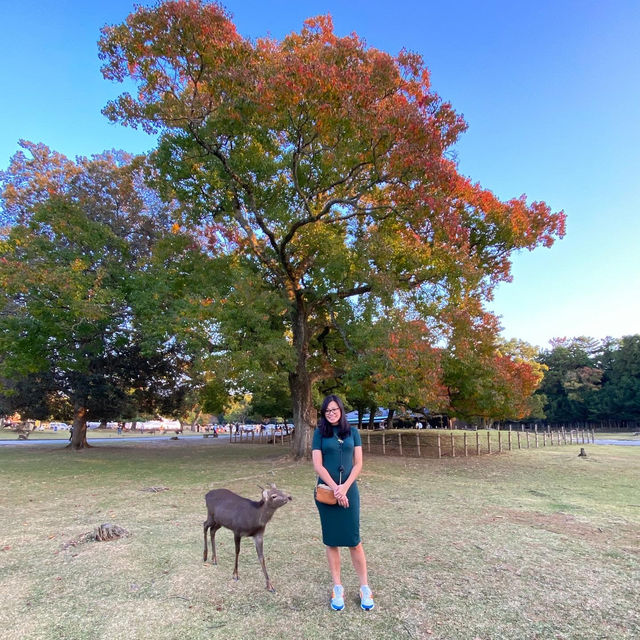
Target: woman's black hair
(326, 428)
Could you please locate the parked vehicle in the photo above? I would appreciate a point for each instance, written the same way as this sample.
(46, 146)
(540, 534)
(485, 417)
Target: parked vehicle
(59, 426)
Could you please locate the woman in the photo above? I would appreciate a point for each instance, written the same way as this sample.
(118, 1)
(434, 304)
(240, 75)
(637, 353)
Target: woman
(337, 459)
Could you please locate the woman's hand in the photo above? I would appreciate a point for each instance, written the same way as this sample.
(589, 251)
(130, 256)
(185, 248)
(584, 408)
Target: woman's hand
(340, 492)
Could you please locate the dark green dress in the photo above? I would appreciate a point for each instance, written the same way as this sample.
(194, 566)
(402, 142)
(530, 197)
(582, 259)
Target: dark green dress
(340, 526)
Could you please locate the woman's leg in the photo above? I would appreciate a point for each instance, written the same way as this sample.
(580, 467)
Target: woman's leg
(359, 563)
(333, 557)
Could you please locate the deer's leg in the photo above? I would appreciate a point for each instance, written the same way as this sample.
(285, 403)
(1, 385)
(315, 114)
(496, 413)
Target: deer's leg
(206, 525)
(258, 539)
(237, 538)
(213, 528)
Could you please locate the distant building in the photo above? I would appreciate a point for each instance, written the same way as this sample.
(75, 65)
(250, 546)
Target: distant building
(379, 418)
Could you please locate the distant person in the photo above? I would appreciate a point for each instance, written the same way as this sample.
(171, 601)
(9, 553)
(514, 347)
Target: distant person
(418, 425)
(70, 433)
(337, 459)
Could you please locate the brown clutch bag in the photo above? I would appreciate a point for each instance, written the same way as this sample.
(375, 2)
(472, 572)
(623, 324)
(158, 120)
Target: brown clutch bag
(325, 495)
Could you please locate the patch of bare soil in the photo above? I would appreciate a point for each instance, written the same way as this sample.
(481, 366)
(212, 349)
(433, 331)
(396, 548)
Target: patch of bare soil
(622, 536)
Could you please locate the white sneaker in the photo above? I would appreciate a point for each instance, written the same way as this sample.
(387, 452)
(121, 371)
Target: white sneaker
(366, 598)
(337, 598)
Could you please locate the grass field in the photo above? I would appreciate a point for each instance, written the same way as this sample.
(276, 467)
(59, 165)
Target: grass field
(531, 544)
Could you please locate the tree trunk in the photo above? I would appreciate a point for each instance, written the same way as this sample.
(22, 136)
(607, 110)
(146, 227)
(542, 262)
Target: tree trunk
(300, 384)
(390, 418)
(195, 420)
(372, 418)
(79, 437)
(304, 413)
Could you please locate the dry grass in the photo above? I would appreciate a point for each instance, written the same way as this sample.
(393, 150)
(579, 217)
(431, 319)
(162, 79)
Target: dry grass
(532, 544)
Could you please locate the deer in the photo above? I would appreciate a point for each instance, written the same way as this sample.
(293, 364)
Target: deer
(246, 518)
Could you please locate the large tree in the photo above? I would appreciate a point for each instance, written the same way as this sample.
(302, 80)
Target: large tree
(319, 170)
(393, 363)
(620, 394)
(572, 379)
(486, 377)
(76, 234)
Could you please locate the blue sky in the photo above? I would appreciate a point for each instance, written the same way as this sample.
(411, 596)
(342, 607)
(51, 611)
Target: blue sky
(550, 90)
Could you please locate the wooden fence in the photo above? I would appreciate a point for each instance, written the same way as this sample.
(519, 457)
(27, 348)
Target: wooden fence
(451, 444)
(438, 443)
(261, 437)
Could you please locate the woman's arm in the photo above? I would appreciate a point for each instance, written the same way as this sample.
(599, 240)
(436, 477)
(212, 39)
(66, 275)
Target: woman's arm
(340, 492)
(355, 470)
(325, 476)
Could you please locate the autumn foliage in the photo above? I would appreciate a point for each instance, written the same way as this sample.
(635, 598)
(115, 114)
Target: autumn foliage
(317, 170)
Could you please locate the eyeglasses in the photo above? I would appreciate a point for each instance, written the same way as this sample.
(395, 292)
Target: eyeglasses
(332, 411)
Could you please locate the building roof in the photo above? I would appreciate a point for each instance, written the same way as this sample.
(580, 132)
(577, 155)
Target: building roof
(380, 415)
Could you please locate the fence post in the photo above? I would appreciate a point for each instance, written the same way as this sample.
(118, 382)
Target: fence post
(509, 437)
(384, 449)
(418, 442)
(368, 441)
(477, 443)
(537, 438)
(400, 442)
(499, 441)
(439, 447)
(453, 446)
(488, 441)
(466, 453)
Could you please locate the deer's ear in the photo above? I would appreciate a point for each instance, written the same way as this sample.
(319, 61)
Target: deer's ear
(265, 494)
